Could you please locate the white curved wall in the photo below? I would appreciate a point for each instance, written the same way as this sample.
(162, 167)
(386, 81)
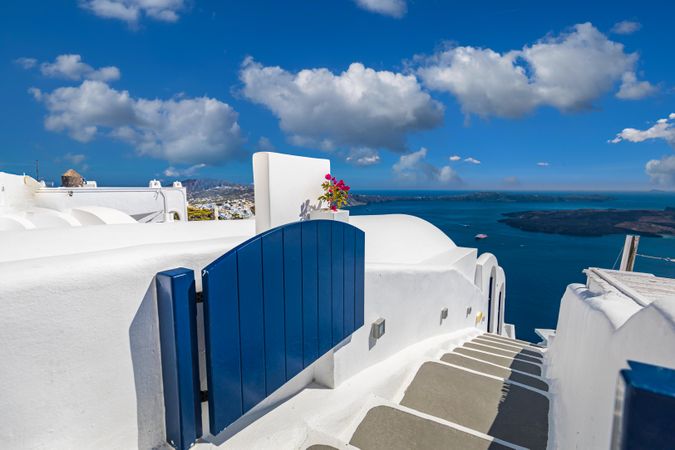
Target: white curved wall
(401, 239)
(595, 337)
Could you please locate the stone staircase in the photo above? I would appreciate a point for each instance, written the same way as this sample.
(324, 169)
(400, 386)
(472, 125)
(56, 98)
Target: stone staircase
(485, 394)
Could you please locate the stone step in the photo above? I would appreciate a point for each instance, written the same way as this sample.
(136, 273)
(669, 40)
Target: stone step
(497, 351)
(504, 361)
(511, 341)
(494, 407)
(387, 428)
(511, 347)
(497, 371)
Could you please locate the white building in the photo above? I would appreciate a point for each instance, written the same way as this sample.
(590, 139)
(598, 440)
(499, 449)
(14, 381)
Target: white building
(83, 367)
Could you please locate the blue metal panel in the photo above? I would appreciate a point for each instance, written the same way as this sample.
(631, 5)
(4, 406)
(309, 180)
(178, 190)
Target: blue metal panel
(646, 408)
(310, 314)
(251, 322)
(293, 298)
(223, 360)
(350, 289)
(338, 281)
(273, 293)
(177, 313)
(324, 285)
(359, 274)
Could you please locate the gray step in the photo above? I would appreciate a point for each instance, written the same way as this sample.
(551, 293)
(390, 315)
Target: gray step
(321, 447)
(386, 428)
(511, 341)
(504, 361)
(498, 371)
(506, 346)
(498, 351)
(500, 409)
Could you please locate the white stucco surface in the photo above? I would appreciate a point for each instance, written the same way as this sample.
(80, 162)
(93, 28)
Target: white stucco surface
(26, 204)
(39, 243)
(598, 330)
(286, 187)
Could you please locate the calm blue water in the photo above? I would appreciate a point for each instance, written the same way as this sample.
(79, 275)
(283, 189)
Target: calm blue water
(538, 266)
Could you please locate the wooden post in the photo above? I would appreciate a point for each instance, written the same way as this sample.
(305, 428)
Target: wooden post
(629, 251)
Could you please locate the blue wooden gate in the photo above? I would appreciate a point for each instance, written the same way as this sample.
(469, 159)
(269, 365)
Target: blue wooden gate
(272, 306)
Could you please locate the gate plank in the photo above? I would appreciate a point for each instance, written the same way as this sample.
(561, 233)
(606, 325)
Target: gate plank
(273, 295)
(293, 296)
(221, 316)
(337, 263)
(359, 275)
(310, 319)
(251, 323)
(324, 237)
(349, 244)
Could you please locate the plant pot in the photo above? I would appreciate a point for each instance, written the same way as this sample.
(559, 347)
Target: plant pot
(341, 215)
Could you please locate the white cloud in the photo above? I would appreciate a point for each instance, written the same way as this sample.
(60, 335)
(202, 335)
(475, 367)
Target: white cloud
(661, 171)
(626, 27)
(455, 158)
(363, 157)
(471, 160)
(130, 11)
(74, 158)
(265, 145)
(413, 167)
(543, 164)
(632, 89)
(392, 8)
(662, 129)
(358, 108)
(186, 130)
(567, 72)
(187, 172)
(26, 63)
(71, 67)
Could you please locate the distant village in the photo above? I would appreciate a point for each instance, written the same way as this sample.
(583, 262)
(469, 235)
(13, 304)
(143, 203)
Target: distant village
(211, 199)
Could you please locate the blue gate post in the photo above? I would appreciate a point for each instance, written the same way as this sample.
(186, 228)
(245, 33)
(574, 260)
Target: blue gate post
(177, 308)
(645, 408)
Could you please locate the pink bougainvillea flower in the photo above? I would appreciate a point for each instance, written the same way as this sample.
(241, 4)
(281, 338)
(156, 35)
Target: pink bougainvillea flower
(333, 208)
(327, 176)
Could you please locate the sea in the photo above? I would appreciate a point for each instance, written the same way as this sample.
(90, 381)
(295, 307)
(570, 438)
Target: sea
(538, 266)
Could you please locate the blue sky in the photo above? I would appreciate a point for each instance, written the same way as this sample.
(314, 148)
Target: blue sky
(527, 95)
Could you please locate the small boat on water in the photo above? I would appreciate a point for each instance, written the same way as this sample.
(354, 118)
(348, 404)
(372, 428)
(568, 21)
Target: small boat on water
(480, 236)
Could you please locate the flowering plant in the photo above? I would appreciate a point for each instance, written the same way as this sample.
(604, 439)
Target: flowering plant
(335, 193)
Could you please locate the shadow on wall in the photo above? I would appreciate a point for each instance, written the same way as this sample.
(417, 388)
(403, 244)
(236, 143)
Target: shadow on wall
(306, 208)
(145, 356)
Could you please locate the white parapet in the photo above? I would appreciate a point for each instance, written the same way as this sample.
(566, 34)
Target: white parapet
(599, 329)
(286, 187)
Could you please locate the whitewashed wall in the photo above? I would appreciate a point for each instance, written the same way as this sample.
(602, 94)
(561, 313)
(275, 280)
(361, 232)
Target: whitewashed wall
(286, 187)
(596, 335)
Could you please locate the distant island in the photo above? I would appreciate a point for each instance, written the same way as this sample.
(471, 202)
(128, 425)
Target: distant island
(487, 197)
(595, 222)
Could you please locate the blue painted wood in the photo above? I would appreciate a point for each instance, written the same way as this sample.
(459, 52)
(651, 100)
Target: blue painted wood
(177, 312)
(349, 282)
(293, 298)
(273, 293)
(646, 408)
(359, 275)
(251, 322)
(310, 291)
(325, 313)
(274, 305)
(221, 320)
(337, 263)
